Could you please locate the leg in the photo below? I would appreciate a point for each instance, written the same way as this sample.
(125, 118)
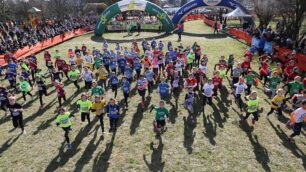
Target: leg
(67, 134)
(88, 117)
(246, 116)
(40, 94)
(271, 111)
(24, 96)
(59, 100)
(101, 122)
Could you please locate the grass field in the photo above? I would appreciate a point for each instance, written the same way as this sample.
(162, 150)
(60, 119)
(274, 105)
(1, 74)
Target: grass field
(215, 143)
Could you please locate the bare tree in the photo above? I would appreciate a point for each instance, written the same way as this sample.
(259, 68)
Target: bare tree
(293, 14)
(183, 2)
(265, 10)
(5, 13)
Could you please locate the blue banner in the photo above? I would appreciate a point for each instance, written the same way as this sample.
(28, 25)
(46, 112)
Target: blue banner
(268, 47)
(255, 42)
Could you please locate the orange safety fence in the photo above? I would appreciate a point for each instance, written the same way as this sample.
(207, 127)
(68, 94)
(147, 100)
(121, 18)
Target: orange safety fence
(193, 17)
(241, 35)
(28, 50)
(211, 23)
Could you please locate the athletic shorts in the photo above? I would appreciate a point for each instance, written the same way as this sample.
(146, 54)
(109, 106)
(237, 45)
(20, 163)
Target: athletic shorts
(141, 92)
(160, 123)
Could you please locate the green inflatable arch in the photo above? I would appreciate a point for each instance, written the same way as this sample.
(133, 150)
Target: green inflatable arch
(128, 5)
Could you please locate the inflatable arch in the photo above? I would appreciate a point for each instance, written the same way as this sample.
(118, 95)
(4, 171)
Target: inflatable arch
(127, 5)
(185, 9)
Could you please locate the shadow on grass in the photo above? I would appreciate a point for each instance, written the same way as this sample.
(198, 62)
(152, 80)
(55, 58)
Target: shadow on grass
(156, 157)
(260, 151)
(189, 134)
(138, 115)
(89, 151)
(5, 119)
(63, 157)
(101, 160)
(217, 114)
(6, 145)
(210, 127)
(296, 151)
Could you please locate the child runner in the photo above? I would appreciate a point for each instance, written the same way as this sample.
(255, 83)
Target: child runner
(297, 118)
(237, 71)
(63, 120)
(113, 82)
(96, 90)
(98, 106)
(163, 89)
(25, 88)
(277, 102)
(217, 80)
(102, 75)
(294, 87)
(149, 75)
(84, 106)
(42, 90)
(137, 66)
(74, 76)
(176, 86)
(11, 77)
(239, 89)
(128, 72)
(112, 110)
(87, 76)
(142, 85)
(16, 113)
(126, 88)
(253, 104)
(160, 117)
(61, 94)
(208, 92)
(189, 100)
(230, 64)
(250, 79)
(274, 80)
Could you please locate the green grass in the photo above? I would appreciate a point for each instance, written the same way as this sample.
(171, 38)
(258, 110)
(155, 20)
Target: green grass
(197, 26)
(215, 143)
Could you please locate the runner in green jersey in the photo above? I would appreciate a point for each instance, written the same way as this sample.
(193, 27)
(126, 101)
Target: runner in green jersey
(160, 117)
(63, 121)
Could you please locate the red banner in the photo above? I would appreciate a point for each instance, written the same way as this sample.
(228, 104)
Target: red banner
(241, 35)
(26, 51)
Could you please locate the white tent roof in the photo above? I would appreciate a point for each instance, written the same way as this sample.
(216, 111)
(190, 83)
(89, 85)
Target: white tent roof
(34, 10)
(238, 12)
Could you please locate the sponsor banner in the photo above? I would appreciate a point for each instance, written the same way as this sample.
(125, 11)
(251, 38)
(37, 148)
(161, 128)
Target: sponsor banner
(129, 5)
(212, 2)
(126, 5)
(120, 27)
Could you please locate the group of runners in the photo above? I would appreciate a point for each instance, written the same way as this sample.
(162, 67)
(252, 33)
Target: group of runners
(157, 66)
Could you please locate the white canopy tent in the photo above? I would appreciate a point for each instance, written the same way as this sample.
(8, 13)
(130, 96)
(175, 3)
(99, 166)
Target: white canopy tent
(238, 12)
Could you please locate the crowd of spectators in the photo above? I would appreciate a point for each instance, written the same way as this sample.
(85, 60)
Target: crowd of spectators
(18, 34)
(277, 36)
